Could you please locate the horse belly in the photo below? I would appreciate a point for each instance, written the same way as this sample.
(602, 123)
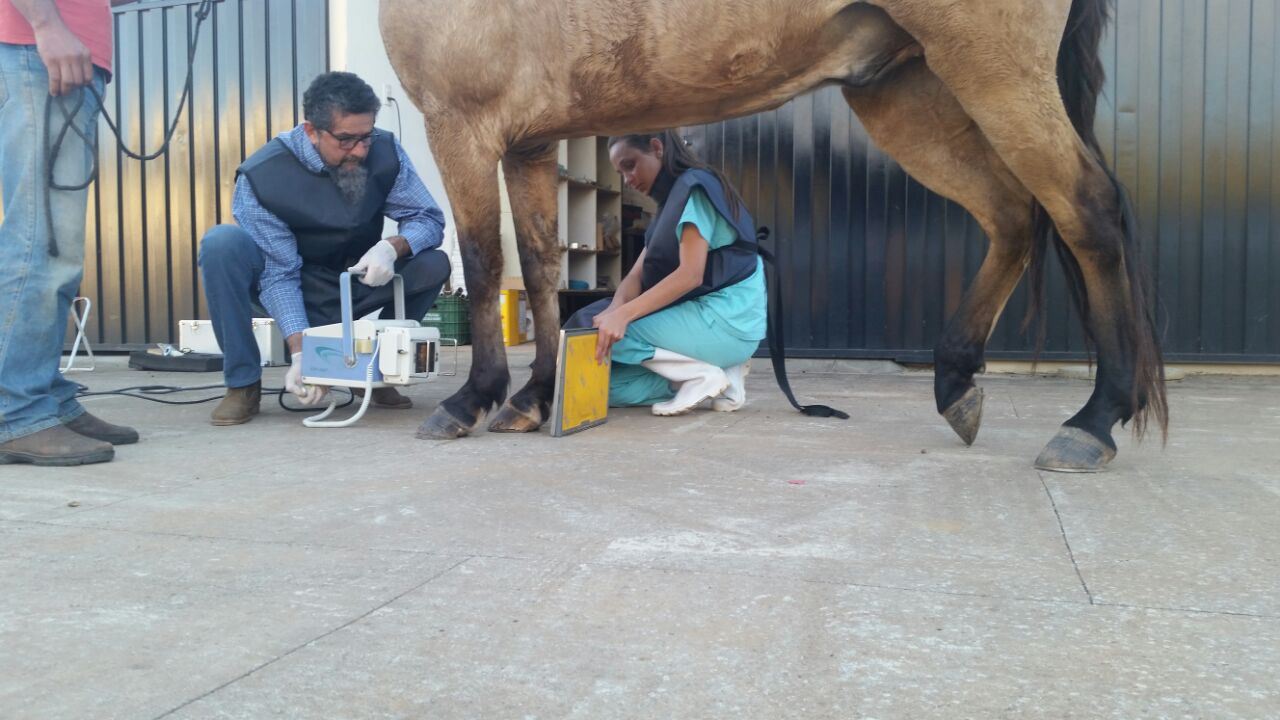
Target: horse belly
(572, 67)
(691, 75)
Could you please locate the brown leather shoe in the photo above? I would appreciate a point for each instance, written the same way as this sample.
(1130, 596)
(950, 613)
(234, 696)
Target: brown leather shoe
(94, 427)
(55, 446)
(238, 406)
(385, 397)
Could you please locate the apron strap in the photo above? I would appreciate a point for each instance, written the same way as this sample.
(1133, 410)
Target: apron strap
(777, 344)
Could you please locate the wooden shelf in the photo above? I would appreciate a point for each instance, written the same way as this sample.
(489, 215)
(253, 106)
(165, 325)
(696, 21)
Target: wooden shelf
(589, 192)
(581, 161)
(584, 183)
(592, 251)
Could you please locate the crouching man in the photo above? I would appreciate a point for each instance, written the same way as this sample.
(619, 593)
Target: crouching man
(308, 206)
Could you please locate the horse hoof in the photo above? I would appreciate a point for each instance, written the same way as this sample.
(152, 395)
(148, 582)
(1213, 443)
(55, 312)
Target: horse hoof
(1074, 450)
(440, 425)
(965, 415)
(512, 420)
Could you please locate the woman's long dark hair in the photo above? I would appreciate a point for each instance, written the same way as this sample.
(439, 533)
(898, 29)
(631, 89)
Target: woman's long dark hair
(678, 156)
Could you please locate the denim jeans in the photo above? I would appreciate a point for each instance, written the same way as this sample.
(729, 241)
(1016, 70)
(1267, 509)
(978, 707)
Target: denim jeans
(231, 263)
(36, 288)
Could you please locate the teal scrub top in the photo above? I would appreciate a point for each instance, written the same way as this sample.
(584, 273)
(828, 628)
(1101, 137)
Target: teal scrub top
(741, 309)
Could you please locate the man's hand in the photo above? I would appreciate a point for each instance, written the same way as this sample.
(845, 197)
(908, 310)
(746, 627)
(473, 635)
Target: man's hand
(378, 264)
(64, 56)
(307, 394)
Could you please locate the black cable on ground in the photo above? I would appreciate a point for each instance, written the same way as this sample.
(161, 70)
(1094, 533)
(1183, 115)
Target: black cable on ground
(145, 392)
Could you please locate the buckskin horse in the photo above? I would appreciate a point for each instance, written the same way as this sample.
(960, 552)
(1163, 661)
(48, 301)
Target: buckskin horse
(990, 104)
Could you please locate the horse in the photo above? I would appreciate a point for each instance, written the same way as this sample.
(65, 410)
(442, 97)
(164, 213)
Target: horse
(989, 104)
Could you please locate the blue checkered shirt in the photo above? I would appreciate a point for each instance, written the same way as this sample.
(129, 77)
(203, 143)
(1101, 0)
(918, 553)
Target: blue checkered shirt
(280, 286)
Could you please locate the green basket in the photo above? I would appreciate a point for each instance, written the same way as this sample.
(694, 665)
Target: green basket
(451, 315)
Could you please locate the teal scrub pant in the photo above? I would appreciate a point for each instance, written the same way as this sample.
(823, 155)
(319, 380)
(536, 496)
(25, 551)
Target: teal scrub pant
(681, 328)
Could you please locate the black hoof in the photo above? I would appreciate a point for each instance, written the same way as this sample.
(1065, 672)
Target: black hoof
(965, 415)
(512, 420)
(1074, 450)
(440, 425)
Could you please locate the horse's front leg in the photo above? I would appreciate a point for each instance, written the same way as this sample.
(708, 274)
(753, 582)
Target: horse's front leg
(531, 186)
(470, 175)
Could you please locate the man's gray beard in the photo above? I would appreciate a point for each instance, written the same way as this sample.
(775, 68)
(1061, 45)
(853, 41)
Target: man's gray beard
(351, 180)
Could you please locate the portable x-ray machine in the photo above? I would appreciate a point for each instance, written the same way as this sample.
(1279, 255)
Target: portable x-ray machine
(367, 354)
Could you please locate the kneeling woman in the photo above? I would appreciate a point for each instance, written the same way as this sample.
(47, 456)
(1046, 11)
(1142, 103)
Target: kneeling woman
(687, 318)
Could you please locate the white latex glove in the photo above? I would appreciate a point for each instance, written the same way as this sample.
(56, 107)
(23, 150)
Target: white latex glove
(307, 394)
(378, 264)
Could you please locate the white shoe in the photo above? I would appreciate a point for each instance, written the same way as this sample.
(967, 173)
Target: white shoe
(697, 380)
(734, 396)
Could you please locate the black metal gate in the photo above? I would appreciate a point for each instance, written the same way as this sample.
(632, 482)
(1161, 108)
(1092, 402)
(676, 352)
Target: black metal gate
(145, 219)
(875, 264)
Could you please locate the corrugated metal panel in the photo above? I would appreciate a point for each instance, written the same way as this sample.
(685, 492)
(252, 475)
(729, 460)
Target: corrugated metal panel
(255, 59)
(875, 264)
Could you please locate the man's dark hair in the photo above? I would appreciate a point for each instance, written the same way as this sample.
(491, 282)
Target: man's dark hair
(337, 92)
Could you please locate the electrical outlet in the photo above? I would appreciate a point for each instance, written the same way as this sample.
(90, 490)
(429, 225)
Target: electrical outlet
(386, 92)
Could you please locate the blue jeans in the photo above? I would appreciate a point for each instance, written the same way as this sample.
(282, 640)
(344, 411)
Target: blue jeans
(231, 263)
(36, 289)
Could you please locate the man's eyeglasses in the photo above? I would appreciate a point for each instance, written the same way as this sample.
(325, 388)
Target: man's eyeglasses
(348, 142)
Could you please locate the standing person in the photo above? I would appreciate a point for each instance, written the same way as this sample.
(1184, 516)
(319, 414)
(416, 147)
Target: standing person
(309, 205)
(51, 52)
(689, 315)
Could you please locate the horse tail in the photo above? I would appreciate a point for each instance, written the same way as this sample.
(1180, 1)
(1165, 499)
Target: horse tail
(1080, 80)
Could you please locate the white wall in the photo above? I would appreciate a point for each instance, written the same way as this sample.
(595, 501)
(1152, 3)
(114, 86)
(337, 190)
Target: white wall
(355, 45)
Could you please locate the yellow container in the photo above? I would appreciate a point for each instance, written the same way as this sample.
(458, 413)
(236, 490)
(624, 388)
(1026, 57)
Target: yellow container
(516, 326)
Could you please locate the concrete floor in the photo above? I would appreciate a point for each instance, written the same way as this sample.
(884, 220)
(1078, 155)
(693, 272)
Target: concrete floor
(751, 565)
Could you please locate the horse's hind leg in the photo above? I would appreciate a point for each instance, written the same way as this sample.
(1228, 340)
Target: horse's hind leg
(531, 185)
(469, 169)
(914, 118)
(1000, 62)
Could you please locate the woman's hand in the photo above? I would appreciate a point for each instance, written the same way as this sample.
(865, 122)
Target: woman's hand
(612, 324)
